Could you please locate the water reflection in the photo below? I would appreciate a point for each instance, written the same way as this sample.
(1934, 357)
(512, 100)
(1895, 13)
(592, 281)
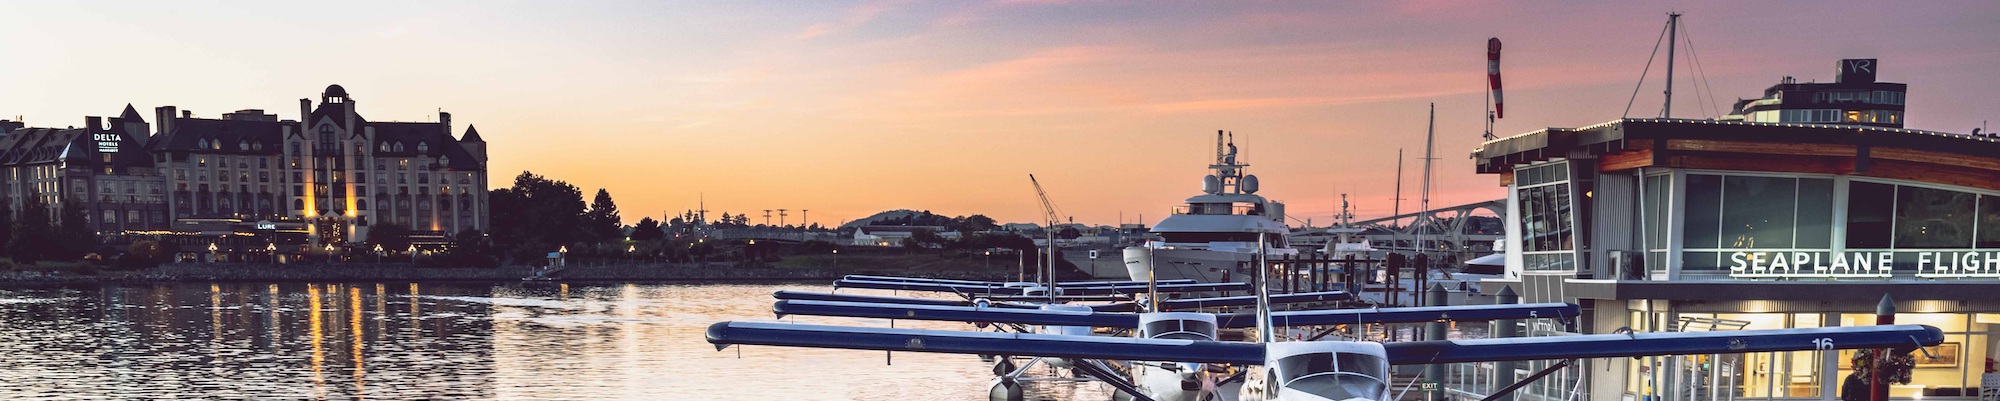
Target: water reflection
(404, 340)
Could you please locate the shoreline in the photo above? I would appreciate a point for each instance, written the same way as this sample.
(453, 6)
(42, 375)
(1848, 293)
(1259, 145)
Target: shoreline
(660, 273)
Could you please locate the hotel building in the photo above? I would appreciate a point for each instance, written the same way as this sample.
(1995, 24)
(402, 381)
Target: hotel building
(330, 176)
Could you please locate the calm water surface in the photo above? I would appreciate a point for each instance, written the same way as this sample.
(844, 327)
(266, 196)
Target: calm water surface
(401, 340)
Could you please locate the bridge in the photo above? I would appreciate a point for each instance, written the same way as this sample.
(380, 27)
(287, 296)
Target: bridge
(1446, 229)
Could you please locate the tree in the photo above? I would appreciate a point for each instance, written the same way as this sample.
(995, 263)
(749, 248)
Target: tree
(6, 222)
(74, 238)
(601, 222)
(926, 237)
(391, 236)
(981, 223)
(31, 233)
(536, 215)
(141, 254)
(647, 230)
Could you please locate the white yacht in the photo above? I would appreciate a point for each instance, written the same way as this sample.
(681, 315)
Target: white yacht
(1213, 238)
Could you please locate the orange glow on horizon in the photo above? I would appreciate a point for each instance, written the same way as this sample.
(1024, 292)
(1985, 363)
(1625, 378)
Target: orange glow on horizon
(849, 109)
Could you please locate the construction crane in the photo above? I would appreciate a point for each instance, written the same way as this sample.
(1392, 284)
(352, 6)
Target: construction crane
(1051, 217)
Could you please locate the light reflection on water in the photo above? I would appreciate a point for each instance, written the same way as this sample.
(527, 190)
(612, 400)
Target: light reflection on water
(400, 340)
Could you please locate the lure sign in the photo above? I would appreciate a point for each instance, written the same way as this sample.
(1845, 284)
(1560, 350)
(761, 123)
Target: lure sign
(1866, 264)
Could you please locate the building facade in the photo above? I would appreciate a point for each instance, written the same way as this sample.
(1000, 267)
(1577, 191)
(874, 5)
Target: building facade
(1854, 98)
(332, 174)
(1682, 225)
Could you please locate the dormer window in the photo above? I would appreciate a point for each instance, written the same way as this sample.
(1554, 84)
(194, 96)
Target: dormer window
(243, 145)
(423, 147)
(215, 145)
(399, 146)
(385, 147)
(202, 144)
(444, 160)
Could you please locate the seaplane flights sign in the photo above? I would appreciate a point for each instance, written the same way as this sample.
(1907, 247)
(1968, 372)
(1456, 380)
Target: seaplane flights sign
(1865, 264)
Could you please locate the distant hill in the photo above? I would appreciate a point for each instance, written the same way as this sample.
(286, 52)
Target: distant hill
(898, 217)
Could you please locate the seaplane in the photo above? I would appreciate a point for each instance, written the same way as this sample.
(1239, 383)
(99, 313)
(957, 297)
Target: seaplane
(1161, 380)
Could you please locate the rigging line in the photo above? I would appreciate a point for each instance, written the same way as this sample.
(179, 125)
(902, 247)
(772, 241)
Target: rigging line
(1695, 79)
(1702, 71)
(1643, 72)
(1701, 108)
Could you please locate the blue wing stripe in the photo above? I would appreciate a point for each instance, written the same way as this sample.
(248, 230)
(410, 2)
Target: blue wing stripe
(955, 313)
(983, 289)
(986, 343)
(863, 277)
(1404, 315)
(1247, 300)
(1668, 343)
(820, 296)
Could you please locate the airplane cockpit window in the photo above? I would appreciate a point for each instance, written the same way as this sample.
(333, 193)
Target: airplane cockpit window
(1181, 330)
(1319, 374)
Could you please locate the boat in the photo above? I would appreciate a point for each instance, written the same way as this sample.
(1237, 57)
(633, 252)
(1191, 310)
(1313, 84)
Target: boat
(1214, 237)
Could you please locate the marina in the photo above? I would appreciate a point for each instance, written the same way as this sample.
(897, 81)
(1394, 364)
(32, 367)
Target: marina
(908, 200)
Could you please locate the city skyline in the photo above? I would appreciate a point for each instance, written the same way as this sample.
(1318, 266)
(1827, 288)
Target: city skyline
(849, 109)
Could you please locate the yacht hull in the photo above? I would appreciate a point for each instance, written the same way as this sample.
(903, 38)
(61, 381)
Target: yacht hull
(1142, 263)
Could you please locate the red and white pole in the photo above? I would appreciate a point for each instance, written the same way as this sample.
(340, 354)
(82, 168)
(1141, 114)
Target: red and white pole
(1878, 386)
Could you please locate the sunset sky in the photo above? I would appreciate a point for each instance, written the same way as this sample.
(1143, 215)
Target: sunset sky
(849, 108)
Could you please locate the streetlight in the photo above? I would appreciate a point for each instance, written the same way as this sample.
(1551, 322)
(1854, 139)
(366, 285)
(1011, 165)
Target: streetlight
(272, 248)
(836, 258)
(211, 252)
(378, 254)
(329, 253)
(989, 259)
(628, 252)
(562, 255)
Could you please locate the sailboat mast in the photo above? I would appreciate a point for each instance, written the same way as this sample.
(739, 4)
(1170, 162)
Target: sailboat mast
(1424, 217)
(1673, 27)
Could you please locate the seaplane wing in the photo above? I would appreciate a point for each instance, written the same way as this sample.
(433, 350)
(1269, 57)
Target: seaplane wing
(1248, 300)
(1902, 337)
(821, 296)
(1403, 315)
(982, 343)
(863, 277)
(955, 313)
(994, 288)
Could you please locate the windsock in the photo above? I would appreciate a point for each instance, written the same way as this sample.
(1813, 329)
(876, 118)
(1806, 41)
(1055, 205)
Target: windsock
(1493, 74)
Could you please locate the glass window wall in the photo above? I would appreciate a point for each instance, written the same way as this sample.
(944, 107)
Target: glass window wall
(1933, 218)
(1547, 220)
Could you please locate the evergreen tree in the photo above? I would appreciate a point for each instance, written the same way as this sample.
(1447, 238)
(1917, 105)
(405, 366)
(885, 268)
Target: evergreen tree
(536, 215)
(602, 221)
(31, 232)
(74, 238)
(6, 222)
(647, 230)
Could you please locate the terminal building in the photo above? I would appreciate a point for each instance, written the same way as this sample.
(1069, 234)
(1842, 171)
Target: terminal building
(1854, 98)
(252, 184)
(1683, 225)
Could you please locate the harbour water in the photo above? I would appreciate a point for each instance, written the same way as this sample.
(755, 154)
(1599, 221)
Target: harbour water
(402, 340)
